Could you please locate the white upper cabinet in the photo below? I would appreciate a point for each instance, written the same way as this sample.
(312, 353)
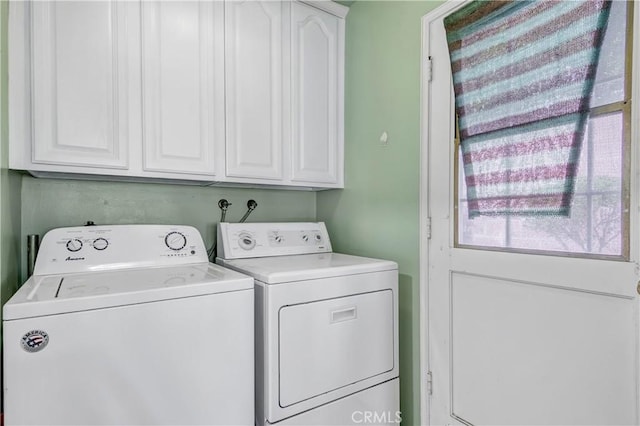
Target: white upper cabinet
(79, 93)
(240, 92)
(182, 85)
(253, 37)
(317, 51)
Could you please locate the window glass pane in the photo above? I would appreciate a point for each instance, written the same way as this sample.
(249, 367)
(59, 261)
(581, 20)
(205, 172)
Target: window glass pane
(606, 235)
(596, 222)
(482, 230)
(552, 233)
(609, 85)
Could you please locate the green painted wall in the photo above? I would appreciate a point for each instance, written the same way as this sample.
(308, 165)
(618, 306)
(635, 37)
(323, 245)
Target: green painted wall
(51, 203)
(377, 212)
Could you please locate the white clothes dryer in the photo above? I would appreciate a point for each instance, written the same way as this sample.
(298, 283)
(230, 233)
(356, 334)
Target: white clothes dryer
(326, 326)
(129, 325)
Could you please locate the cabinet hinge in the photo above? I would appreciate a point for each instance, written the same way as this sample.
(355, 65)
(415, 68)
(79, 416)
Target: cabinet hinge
(428, 228)
(429, 68)
(429, 383)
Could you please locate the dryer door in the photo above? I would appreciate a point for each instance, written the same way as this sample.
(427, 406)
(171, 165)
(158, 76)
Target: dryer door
(328, 344)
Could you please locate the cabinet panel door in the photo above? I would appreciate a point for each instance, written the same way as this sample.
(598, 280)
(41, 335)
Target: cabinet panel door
(253, 37)
(79, 83)
(182, 66)
(315, 73)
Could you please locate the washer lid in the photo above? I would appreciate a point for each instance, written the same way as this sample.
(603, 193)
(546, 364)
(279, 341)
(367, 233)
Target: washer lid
(57, 294)
(282, 269)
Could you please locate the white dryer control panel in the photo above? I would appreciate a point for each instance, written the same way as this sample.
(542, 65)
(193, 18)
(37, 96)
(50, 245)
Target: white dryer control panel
(245, 240)
(99, 248)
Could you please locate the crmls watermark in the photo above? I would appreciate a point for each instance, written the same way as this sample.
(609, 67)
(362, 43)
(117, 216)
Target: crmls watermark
(376, 417)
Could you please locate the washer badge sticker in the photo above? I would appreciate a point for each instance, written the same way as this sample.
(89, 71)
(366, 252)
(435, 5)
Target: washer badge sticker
(35, 341)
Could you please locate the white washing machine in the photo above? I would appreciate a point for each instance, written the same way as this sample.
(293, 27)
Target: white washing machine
(129, 325)
(326, 326)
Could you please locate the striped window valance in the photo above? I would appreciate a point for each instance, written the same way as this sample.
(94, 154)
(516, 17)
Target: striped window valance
(523, 73)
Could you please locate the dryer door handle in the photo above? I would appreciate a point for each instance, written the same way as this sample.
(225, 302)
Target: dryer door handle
(344, 314)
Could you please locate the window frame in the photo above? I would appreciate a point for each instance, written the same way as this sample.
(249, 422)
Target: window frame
(623, 106)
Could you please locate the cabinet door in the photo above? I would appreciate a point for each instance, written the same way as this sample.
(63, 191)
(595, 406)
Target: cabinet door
(253, 38)
(182, 67)
(79, 64)
(316, 71)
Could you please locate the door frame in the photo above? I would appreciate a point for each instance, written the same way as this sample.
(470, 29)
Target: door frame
(424, 204)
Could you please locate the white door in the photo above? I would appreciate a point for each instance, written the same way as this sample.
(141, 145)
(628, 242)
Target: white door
(80, 84)
(253, 60)
(183, 85)
(529, 320)
(317, 43)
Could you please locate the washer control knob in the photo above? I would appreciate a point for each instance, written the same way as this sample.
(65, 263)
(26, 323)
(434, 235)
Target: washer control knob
(318, 238)
(100, 244)
(305, 238)
(278, 239)
(74, 245)
(175, 240)
(246, 241)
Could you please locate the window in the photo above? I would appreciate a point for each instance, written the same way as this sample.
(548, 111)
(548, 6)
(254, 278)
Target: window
(599, 215)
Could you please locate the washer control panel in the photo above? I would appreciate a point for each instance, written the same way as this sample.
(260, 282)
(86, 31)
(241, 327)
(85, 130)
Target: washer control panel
(94, 248)
(243, 240)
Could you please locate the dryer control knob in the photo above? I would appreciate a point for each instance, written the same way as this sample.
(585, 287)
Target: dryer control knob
(246, 242)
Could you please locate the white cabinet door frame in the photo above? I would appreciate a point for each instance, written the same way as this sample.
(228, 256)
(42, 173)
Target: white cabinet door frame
(182, 90)
(80, 114)
(317, 57)
(254, 64)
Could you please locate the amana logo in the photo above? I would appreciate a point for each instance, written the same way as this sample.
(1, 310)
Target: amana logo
(74, 258)
(34, 341)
